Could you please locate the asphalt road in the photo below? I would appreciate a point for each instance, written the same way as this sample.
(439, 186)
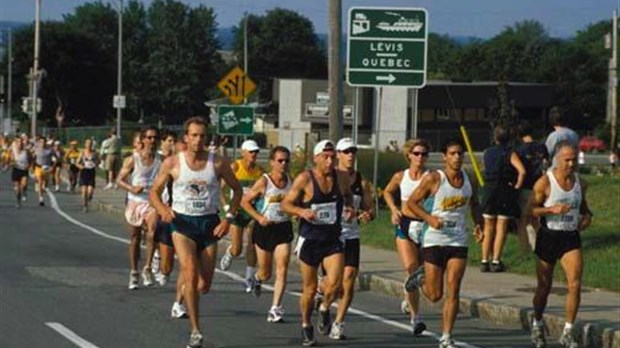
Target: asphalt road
(63, 283)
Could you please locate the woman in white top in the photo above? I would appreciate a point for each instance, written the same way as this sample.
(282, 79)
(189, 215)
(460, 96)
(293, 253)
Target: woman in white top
(408, 226)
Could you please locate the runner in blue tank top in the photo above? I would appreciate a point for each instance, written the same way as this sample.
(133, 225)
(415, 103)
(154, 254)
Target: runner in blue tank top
(317, 197)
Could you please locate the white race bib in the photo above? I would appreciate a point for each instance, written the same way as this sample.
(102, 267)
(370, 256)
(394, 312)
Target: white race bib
(325, 213)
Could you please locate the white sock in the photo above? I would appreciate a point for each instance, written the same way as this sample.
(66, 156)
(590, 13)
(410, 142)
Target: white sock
(568, 327)
(445, 337)
(249, 272)
(484, 261)
(496, 262)
(537, 323)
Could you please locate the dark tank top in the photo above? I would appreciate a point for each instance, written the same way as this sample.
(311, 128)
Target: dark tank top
(328, 210)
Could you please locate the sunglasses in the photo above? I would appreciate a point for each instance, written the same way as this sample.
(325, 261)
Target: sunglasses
(253, 151)
(419, 153)
(151, 137)
(349, 151)
(283, 160)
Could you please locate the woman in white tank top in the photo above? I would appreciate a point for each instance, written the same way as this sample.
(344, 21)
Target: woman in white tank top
(408, 226)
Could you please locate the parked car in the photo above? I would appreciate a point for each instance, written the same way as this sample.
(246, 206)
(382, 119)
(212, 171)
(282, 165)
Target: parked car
(591, 144)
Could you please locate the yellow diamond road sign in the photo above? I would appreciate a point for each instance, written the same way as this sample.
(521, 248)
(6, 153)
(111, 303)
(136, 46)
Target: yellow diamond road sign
(236, 85)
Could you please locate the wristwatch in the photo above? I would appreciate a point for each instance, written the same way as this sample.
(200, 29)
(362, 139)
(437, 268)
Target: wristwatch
(230, 217)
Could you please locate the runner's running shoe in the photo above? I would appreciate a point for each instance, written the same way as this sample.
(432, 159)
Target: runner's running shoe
(134, 278)
(337, 331)
(147, 277)
(538, 336)
(415, 280)
(307, 336)
(195, 340)
(567, 340)
(178, 311)
(275, 314)
(324, 322)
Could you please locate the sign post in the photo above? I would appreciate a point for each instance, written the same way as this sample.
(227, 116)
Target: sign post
(387, 47)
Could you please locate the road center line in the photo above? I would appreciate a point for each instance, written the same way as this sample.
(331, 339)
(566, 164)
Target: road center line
(70, 335)
(236, 277)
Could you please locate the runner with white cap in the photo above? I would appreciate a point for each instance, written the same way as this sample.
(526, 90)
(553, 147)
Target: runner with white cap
(363, 203)
(247, 171)
(317, 198)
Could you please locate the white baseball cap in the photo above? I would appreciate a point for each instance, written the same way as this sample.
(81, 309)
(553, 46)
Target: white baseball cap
(345, 143)
(323, 145)
(250, 145)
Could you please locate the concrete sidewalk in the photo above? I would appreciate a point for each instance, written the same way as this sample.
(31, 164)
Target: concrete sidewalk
(501, 298)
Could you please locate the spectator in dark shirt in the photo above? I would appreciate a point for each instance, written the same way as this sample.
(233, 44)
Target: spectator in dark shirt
(503, 175)
(535, 158)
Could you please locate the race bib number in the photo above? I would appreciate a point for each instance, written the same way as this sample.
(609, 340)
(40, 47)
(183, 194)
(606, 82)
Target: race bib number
(449, 227)
(567, 218)
(325, 213)
(196, 207)
(415, 230)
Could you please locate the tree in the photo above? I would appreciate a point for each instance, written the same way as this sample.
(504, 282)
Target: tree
(183, 62)
(280, 44)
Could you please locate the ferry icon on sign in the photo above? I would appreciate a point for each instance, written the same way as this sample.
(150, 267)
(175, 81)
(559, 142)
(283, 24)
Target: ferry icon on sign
(361, 24)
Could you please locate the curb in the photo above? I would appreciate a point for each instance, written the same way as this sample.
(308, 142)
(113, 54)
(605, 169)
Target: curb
(589, 334)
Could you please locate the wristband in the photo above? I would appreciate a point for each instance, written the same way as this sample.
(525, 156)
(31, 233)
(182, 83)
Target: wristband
(230, 217)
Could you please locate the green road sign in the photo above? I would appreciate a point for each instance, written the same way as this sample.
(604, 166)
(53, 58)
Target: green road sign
(235, 120)
(387, 47)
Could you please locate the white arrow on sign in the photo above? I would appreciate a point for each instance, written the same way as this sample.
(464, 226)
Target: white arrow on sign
(246, 120)
(389, 78)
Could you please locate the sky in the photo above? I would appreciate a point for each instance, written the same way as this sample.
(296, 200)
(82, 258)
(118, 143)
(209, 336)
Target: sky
(477, 18)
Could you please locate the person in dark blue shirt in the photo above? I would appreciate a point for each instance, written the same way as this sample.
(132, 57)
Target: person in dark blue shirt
(503, 176)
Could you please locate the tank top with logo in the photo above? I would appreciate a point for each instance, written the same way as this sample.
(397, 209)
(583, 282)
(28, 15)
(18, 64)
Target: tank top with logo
(450, 204)
(273, 197)
(196, 193)
(351, 230)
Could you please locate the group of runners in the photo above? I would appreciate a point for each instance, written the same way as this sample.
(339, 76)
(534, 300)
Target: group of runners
(177, 193)
(44, 160)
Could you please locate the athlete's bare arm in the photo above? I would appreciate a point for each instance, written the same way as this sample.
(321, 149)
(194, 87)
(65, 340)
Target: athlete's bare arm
(428, 186)
(388, 195)
(300, 190)
(344, 183)
(476, 214)
(367, 208)
(123, 175)
(255, 192)
(585, 214)
(224, 171)
(224, 198)
(166, 171)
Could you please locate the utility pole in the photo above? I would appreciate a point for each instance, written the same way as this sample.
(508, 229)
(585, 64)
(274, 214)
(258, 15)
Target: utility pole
(335, 69)
(119, 77)
(9, 92)
(35, 70)
(613, 66)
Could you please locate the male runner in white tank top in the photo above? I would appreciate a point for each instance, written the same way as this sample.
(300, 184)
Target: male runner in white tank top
(136, 177)
(274, 233)
(21, 160)
(445, 241)
(559, 200)
(193, 217)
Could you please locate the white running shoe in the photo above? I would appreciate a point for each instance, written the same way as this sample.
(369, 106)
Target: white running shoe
(249, 284)
(226, 261)
(134, 279)
(57, 188)
(404, 307)
(147, 277)
(178, 311)
(161, 279)
(447, 343)
(155, 263)
(567, 340)
(275, 314)
(195, 340)
(337, 331)
(108, 186)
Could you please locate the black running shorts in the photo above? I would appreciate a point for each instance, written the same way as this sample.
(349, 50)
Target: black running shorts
(269, 237)
(18, 174)
(312, 251)
(352, 253)
(551, 245)
(439, 255)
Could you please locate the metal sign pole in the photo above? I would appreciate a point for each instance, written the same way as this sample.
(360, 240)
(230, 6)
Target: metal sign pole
(379, 92)
(414, 113)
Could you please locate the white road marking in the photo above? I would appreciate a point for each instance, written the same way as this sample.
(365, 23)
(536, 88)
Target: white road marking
(235, 276)
(70, 335)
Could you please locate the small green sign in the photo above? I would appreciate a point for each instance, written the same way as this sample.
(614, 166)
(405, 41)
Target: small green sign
(387, 47)
(235, 120)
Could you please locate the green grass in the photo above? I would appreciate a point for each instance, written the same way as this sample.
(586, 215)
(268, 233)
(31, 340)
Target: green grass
(600, 242)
